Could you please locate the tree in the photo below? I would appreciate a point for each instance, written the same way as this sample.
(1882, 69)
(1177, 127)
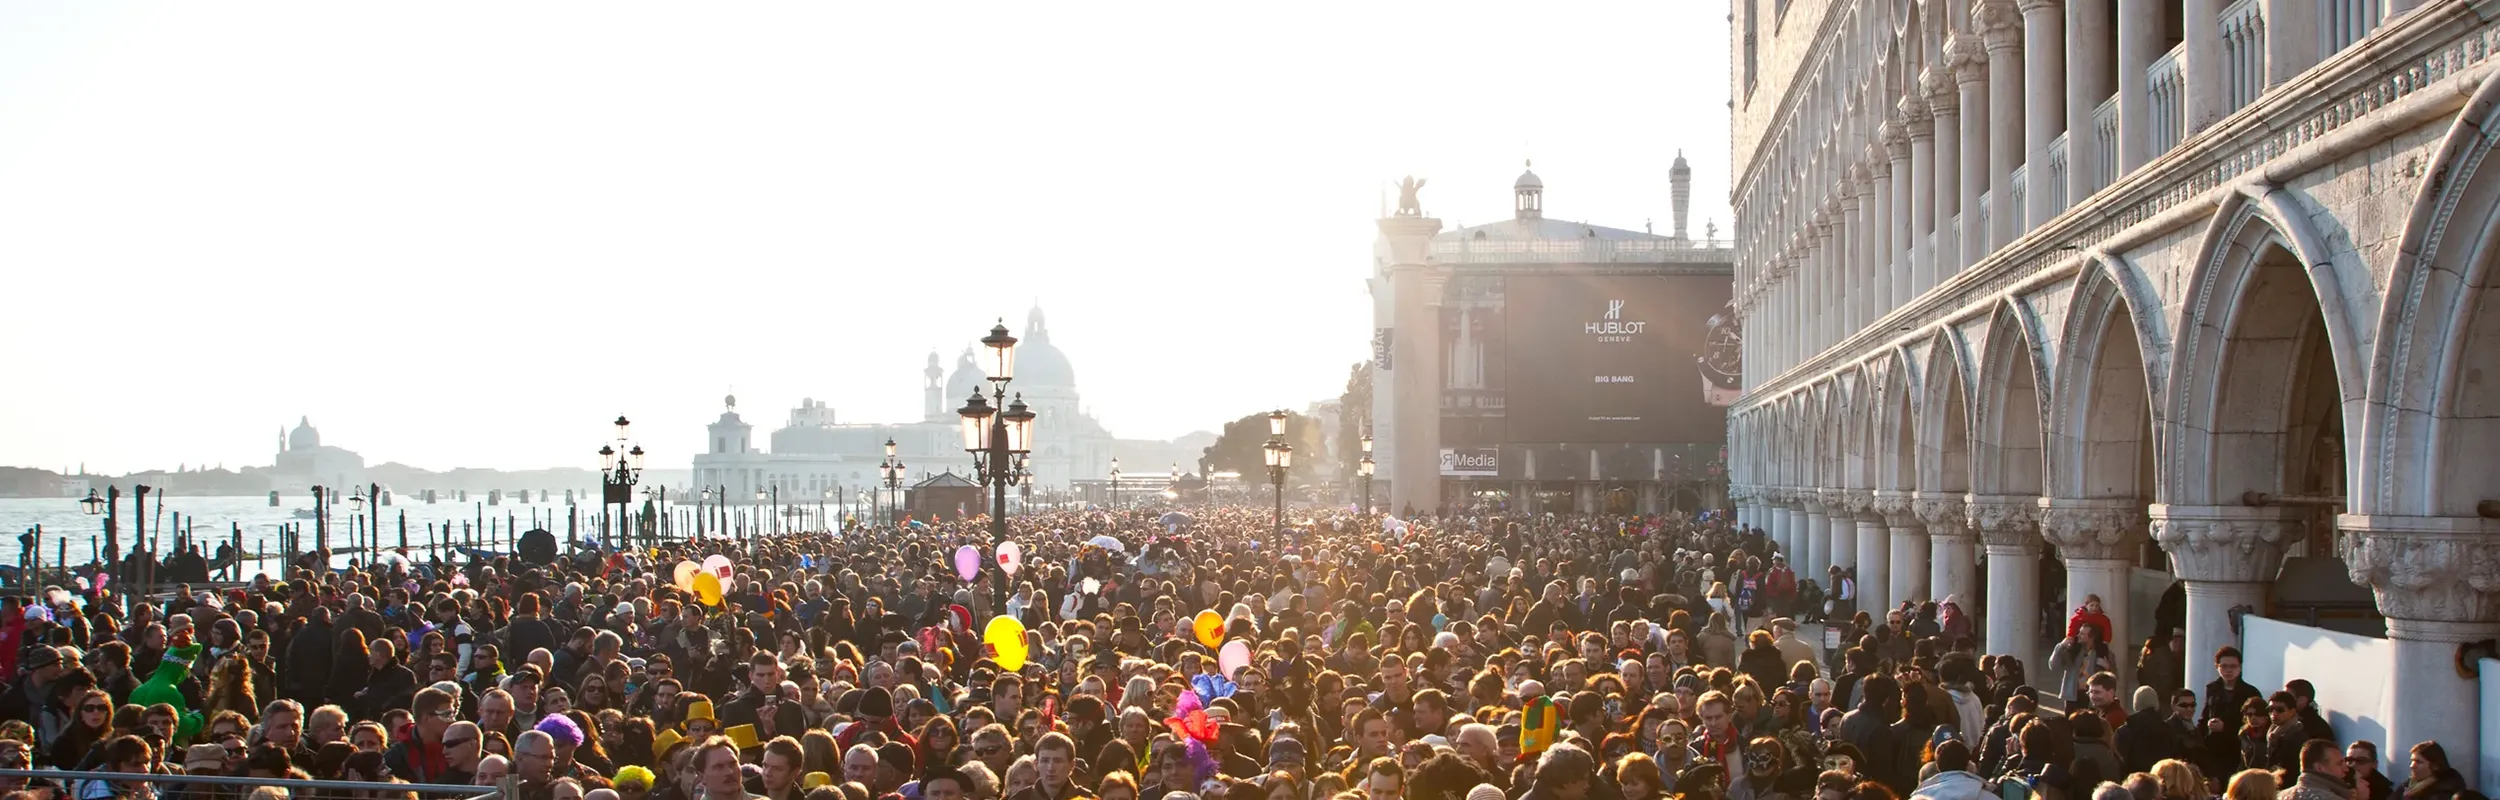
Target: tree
(1239, 448)
(1354, 417)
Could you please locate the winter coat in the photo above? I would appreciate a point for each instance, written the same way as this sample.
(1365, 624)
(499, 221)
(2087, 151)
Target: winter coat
(1954, 785)
(307, 663)
(2083, 614)
(2316, 786)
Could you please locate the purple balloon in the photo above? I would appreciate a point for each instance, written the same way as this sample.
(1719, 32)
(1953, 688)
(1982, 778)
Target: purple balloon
(967, 562)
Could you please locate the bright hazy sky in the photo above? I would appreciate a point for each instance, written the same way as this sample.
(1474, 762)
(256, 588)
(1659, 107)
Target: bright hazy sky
(470, 234)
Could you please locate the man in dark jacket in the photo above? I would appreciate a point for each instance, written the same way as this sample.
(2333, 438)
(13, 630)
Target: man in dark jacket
(1869, 728)
(421, 758)
(307, 665)
(2224, 694)
(2149, 735)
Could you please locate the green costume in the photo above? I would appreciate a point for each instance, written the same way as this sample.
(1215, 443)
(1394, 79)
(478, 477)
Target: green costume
(164, 687)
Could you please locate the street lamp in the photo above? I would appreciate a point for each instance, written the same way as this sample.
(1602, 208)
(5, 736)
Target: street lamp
(1364, 469)
(701, 499)
(1115, 484)
(618, 472)
(1279, 460)
(996, 437)
(891, 473)
(94, 504)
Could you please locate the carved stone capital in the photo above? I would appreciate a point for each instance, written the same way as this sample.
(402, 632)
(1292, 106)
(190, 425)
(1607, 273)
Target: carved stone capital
(1896, 509)
(2224, 543)
(1835, 502)
(2093, 529)
(2437, 569)
(1915, 118)
(2000, 24)
(1861, 505)
(2004, 520)
(1966, 55)
(2029, 7)
(1943, 514)
(1944, 96)
(1896, 135)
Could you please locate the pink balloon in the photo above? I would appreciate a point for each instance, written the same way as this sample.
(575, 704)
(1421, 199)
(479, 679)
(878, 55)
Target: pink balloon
(1234, 658)
(1010, 557)
(967, 562)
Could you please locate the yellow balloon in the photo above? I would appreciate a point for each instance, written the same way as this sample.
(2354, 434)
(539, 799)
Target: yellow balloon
(684, 576)
(1005, 637)
(1209, 627)
(707, 588)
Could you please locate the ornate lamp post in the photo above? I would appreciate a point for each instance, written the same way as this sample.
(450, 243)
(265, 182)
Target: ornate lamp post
(996, 438)
(618, 472)
(1115, 484)
(1279, 460)
(891, 473)
(701, 499)
(1364, 469)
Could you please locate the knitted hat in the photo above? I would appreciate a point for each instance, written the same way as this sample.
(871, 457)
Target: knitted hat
(562, 729)
(877, 702)
(2147, 700)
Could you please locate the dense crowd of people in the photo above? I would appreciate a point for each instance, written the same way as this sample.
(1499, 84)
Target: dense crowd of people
(1150, 656)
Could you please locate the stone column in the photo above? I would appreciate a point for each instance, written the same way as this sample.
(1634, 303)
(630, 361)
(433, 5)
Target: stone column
(2098, 539)
(2087, 84)
(1921, 267)
(2200, 66)
(2139, 43)
(2008, 527)
(2292, 45)
(1824, 310)
(1415, 372)
(1968, 59)
(1792, 523)
(1896, 264)
(1908, 548)
(1844, 312)
(1818, 531)
(2002, 29)
(1879, 214)
(2438, 581)
(2044, 103)
(1953, 564)
(1842, 506)
(1874, 552)
(1944, 105)
(2227, 555)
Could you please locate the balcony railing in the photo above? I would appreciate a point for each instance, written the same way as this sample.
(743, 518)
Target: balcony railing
(1584, 251)
(2343, 22)
(2169, 93)
(2105, 143)
(2243, 53)
(2059, 167)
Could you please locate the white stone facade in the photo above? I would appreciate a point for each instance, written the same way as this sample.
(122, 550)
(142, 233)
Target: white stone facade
(2019, 281)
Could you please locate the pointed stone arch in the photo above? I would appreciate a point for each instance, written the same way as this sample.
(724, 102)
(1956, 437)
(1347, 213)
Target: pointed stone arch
(2008, 406)
(1896, 422)
(2101, 418)
(2433, 397)
(1944, 431)
(2263, 284)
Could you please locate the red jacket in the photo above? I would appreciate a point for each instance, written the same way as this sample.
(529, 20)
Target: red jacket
(2083, 614)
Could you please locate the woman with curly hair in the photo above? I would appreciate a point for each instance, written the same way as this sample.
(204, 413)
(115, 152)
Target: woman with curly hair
(230, 688)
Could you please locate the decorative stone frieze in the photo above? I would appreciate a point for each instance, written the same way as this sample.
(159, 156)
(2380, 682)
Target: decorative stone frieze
(2093, 529)
(2224, 543)
(2439, 569)
(2004, 520)
(1897, 509)
(1942, 514)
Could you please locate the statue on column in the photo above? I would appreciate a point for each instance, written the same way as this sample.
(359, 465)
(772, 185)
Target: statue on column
(1408, 205)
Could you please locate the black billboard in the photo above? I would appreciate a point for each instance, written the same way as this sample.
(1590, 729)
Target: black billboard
(1612, 358)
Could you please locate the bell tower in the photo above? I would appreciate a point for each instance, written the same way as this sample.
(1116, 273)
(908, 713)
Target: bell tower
(933, 391)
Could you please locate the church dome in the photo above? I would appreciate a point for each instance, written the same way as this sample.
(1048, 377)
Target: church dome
(964, 380)
(1528, 180)
(1038, 362)
(304, 437)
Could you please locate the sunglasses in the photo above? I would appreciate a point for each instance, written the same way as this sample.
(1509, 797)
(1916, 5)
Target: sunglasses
(91, 708)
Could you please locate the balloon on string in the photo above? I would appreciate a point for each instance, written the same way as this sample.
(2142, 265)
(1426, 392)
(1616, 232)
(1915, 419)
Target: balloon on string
(718, 565)
(1234, 658)
(707, 589)
(1091, 586)
(683, 576)
(1005, 638)
(1010, 557)
(967, 562)
(1209, 626)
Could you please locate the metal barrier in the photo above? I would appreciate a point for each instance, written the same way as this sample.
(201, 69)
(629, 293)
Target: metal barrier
(232, 787)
